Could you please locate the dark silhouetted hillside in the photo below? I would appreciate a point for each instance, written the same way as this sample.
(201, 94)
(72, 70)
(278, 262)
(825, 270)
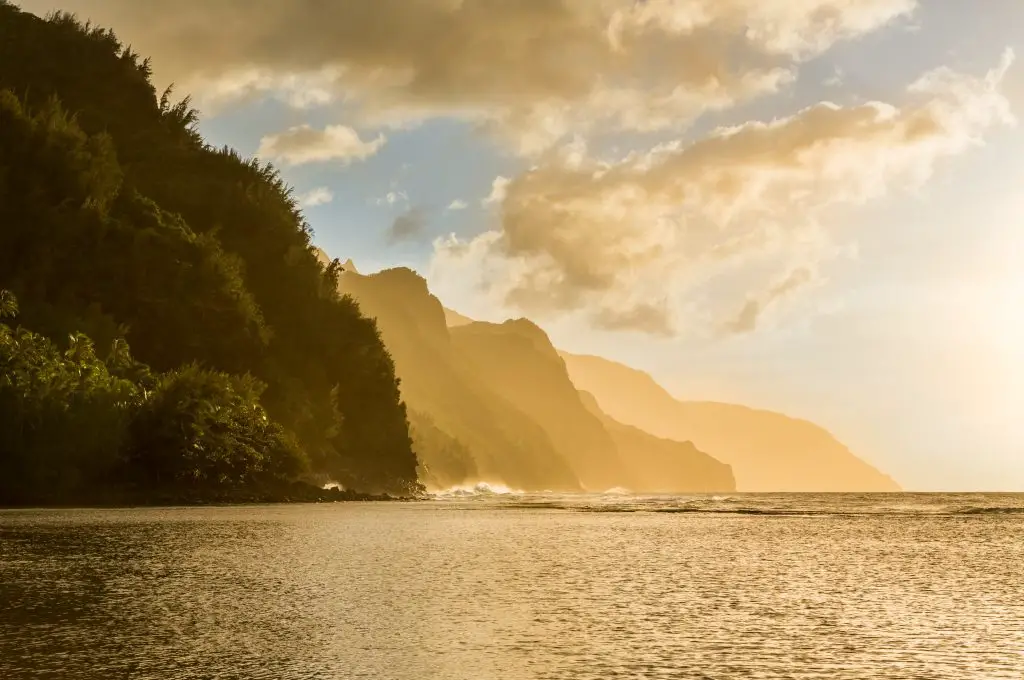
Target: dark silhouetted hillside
(118, 222)
(767, 451)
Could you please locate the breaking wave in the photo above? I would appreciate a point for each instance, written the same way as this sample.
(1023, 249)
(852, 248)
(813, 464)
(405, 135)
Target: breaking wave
(476, 490)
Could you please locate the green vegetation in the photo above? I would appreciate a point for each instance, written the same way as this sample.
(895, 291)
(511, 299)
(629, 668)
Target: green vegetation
(119, 226)
(75, 426)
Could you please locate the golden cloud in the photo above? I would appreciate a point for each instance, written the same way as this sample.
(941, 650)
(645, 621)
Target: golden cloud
(577, 233)
(531, 70)
(303, 144)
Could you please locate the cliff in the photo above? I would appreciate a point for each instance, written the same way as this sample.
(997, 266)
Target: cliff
(494, 402)
(663, 465)
(453, 318)
(517, 358)
(506, 445)
(767, 451)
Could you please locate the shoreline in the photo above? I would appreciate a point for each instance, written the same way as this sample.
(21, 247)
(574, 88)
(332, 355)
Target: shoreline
(297, 493)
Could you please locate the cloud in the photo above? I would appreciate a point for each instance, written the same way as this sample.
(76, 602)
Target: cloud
(628, 242)
(499, 188)
(392, 198)
(530, 71)
(611, 236)
(458, 204)
(318, 196)
(653, 319)
(836, 79)
(304, 144)
(407, 226)
(749, 316)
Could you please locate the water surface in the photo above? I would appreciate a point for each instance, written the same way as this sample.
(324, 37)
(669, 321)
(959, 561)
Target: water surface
(481, 586)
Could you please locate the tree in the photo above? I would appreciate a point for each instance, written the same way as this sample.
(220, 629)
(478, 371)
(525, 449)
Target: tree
(119, 220)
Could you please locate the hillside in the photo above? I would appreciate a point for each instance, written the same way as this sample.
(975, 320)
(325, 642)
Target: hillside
(517, 358)
(494, 403)
(123, 227)
(767, 451)
(662, 465)
(507, 446)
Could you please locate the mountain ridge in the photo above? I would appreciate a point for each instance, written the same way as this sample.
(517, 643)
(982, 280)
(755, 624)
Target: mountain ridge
(513, 369)
(668, 466)
(518, 356)
(768, 451)
(817, 461)
(507, 446)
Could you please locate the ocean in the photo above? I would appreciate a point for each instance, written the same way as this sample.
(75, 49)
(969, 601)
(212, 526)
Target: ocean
(482, 583)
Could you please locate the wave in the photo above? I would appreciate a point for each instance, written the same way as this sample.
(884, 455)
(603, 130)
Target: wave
(476, 490)
(618, 491)
(1017, 510)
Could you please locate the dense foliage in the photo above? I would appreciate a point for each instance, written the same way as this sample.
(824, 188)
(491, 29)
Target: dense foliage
(117, 220)
(75, 426)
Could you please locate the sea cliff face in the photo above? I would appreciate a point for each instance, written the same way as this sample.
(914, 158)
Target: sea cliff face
(659, 465)
(439, 385)
(767, 451)
(518, 358)
(495, 403)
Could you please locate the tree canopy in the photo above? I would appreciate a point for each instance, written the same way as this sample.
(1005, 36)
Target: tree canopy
(118, 221)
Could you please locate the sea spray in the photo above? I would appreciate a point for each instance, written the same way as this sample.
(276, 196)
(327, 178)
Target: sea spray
(479, 489)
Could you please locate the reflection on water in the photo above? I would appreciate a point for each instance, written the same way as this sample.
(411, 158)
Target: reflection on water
(479, 585)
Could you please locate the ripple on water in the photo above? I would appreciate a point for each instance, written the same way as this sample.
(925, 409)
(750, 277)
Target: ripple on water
(817, 588)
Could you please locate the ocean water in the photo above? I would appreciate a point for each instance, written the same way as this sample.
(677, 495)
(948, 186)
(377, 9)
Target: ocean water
(479, 585)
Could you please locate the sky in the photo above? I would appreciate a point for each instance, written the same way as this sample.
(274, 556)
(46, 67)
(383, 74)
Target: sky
(810, 206)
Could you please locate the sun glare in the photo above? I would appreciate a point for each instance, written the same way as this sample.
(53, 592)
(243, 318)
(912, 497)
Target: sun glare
(1010, 319)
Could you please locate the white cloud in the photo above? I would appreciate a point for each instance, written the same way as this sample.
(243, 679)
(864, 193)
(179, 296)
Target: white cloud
(499, 189)
(315, 197)
(304, 144)
(393, 197)
(836, 79)
(458, 204)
